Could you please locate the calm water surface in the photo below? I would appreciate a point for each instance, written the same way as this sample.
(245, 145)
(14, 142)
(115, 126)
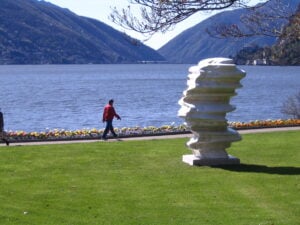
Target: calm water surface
(35, 98)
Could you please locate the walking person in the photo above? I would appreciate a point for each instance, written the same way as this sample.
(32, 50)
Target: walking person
(2, 132)
(108, 115)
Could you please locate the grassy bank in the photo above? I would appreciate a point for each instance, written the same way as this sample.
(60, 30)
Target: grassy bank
(145, 182)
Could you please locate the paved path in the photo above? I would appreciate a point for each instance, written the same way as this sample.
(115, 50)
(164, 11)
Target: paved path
(263, 130)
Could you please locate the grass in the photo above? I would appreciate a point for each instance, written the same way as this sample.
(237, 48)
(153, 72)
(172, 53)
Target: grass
(146, 183)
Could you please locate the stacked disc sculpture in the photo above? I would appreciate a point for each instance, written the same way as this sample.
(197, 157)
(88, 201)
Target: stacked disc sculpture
(204, 105)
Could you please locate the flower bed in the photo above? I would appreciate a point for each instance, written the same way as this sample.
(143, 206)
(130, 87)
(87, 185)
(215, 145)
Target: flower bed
(264, 124)
(57, 135)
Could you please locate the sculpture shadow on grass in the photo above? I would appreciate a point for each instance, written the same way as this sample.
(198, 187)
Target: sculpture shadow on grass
(251, 168)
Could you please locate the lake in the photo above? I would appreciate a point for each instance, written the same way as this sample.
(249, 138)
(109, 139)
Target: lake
(39, 97)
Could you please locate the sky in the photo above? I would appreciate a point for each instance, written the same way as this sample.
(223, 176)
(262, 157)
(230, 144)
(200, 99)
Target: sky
(101, 9)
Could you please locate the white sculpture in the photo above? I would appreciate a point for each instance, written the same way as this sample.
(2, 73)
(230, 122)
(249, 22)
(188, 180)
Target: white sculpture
(204, 105)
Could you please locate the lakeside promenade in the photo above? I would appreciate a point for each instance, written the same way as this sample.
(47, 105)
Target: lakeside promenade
(248, 131)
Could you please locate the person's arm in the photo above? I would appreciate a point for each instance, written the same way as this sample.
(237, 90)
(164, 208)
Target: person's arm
(103, 116)
(115, 114)
(118, 117)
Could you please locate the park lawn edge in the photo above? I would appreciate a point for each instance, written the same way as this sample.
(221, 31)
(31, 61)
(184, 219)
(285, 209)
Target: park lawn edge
(145, 182)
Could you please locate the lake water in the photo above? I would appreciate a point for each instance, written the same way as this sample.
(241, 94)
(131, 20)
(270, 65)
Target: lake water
(35, 98)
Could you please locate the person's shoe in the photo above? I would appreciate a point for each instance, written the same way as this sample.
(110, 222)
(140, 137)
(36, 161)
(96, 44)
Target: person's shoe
(115, 136)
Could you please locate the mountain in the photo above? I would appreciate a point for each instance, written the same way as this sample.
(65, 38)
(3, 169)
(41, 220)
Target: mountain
(195, 43)
(286, 50)
(38, 32)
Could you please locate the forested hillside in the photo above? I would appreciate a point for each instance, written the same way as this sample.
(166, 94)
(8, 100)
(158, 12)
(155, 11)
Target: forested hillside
(196, 43)
(38, 32)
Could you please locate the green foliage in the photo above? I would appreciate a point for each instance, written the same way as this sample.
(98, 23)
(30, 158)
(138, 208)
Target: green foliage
(248, 54)
(287, 50)
(145, 182)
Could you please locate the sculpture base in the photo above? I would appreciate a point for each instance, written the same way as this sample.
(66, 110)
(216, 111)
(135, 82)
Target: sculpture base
(198, 161)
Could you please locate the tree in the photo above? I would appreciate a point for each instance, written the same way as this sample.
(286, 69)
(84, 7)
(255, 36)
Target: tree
(257, 21)
(287, 49)
(292, 106)
(161, 15)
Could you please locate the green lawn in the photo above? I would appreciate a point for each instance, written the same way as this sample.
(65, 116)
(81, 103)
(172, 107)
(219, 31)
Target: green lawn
(146, 183)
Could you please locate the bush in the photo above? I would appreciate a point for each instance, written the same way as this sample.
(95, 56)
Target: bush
(292, 106)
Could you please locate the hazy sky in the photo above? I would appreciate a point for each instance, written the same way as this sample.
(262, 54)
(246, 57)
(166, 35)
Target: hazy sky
(100, 10)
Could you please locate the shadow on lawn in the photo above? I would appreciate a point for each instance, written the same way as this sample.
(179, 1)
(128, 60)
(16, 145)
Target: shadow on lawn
(261, 169)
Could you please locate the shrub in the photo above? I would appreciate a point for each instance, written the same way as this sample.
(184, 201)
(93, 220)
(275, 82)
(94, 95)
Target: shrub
(292, 106)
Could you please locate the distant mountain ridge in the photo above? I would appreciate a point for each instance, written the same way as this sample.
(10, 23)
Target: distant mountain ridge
(195, 43)
(38, 32)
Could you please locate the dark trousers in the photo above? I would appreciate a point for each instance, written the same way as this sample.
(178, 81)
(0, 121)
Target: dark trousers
(3, 138)
(109, 127)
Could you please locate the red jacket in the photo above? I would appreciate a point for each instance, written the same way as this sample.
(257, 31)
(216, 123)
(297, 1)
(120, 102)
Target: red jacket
(109, 113)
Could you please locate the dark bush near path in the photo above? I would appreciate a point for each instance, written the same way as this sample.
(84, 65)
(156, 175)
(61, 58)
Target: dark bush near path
(292, 106)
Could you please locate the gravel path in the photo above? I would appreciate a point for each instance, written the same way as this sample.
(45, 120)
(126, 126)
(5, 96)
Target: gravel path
(263, 130)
